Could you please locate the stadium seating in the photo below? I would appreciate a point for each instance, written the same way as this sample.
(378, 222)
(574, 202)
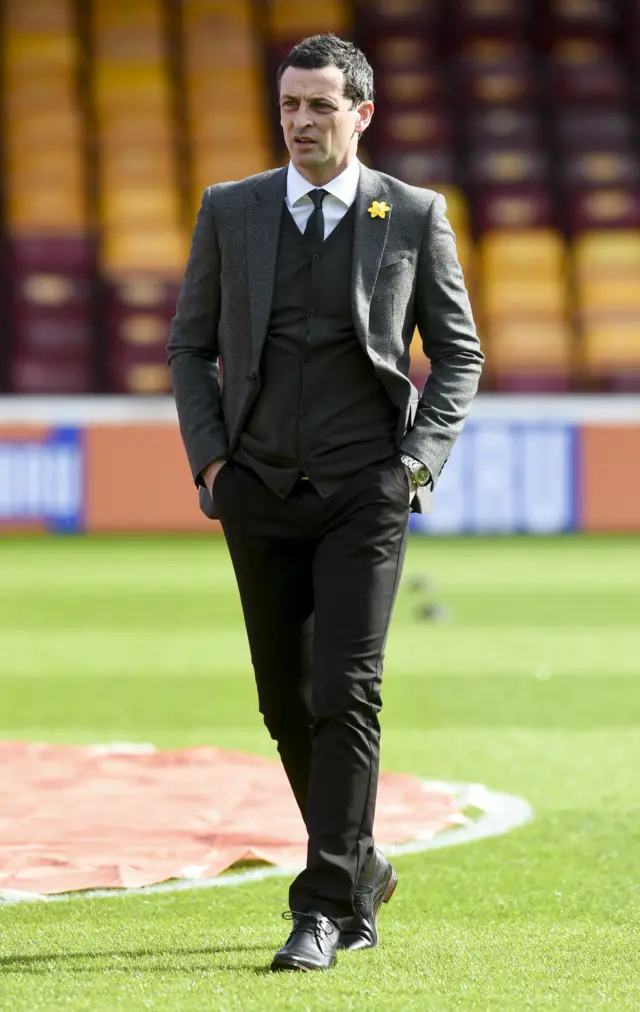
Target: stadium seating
(144, 235)
(606, 267)
(117, 115)
(46, 213)
(524, 309)
(227, 130)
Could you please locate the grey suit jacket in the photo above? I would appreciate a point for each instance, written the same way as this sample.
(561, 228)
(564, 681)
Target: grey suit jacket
(405, 273)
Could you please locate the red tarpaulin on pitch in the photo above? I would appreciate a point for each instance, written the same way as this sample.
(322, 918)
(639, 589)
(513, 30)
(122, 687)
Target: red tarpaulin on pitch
(97, 817)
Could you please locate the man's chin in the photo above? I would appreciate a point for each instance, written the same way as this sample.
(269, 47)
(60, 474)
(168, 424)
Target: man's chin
(307, 156)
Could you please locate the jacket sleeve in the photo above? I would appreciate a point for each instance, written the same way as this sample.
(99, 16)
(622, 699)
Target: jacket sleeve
(449, 339)
(192, 349)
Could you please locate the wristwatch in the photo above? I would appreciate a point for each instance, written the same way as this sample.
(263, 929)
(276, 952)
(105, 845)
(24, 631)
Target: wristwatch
(420, 475)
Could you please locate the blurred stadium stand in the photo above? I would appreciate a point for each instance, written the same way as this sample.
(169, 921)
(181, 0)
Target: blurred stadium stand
(116, 116)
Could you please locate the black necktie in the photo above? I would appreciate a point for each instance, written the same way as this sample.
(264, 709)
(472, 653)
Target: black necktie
(314, 230)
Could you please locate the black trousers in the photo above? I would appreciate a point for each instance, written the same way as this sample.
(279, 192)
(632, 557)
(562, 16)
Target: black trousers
(317, 580)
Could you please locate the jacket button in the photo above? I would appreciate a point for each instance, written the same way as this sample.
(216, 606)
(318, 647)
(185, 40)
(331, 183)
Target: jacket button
(312, 312)
(316, 257)
(252, 377)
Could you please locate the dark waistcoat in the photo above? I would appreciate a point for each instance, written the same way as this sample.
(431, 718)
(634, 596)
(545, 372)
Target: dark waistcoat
(321, 412)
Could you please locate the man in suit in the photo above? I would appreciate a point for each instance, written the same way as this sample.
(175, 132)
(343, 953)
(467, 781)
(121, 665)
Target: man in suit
(313, 445)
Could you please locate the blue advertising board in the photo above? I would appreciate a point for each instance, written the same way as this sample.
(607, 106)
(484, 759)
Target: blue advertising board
(506, 477)
(42, 481)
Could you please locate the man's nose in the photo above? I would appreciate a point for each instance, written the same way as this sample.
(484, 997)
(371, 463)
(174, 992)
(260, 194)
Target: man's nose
(302, 118)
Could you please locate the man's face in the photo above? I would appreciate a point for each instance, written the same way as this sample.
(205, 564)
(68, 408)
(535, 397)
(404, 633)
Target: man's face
(320, 126)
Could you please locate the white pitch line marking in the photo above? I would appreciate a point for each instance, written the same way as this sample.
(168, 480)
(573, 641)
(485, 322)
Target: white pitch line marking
(501, 813)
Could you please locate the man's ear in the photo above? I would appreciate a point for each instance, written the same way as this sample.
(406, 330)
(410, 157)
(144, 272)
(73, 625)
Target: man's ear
(365, 113)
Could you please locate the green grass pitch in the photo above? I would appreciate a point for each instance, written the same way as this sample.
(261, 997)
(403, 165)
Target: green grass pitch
(532, 687)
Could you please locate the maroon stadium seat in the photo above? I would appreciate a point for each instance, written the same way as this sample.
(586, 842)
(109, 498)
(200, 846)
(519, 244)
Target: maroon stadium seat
(34, 252)
(495, 71)
(417, 87)
(400, 50)
(584, 129)
(614, 207)
(507, 166)
(584, 70)
(503, 126)
(37, 374)
(517, 207)
(412, 130)
(596, 18)
(52, 332)
(139, 315)
(474, 17)
(420, 168)
(389, 14)
(581, 169)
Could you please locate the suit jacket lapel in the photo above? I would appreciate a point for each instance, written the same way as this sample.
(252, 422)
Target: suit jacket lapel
(263, 217)
(368, 246)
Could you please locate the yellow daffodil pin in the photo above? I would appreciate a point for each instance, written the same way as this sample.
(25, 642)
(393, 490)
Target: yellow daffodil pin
(378, 209)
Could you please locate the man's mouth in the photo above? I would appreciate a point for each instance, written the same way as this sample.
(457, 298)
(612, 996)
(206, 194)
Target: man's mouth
(304, 142)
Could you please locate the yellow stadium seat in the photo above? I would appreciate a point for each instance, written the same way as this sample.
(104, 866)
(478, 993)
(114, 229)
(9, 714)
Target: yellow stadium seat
(129, 44)
(231, 88)
(38, 16)
(457, 208)
(121, 86)
(28, 54)
(48, 89)
(52, 161)
(238, 10)
(117, 128)
(518, 344)
(524, 297)
(43, 128)
(61, 210)
(622, 294)
(220, 128)
(145, 251)
(529, 253)
(143, 13)
(219, 36)
(466, 255)
(611, 344)
(126, 167)
(144, 329)
(222, 167)
(290, 18)
(140, 204)
(419, 362)
(148, 378)
(603, 253)
(35, 174)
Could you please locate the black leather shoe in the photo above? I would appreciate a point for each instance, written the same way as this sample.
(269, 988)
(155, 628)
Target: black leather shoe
(311, 945)
(376, 887)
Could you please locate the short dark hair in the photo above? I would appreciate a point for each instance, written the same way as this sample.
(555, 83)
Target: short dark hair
(330, 51)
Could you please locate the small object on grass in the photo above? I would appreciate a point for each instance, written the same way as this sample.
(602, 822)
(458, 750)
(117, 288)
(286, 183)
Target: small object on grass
(420, 582)
(544, 672)
(434, 612)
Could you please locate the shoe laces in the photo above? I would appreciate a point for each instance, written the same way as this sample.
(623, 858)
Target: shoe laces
(321, 928)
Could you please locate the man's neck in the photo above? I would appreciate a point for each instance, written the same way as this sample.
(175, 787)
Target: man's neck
(318, 180)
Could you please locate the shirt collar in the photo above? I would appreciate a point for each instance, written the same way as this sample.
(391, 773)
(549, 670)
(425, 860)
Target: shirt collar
(344, 186)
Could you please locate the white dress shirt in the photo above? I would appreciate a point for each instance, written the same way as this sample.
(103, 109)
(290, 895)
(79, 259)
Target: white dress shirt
(341, 193)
